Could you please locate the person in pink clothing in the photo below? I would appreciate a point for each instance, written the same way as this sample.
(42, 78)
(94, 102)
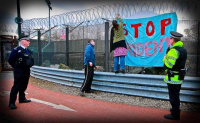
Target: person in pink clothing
(118, 44)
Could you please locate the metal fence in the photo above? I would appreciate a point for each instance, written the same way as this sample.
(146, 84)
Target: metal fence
(70, 51)
(150, 86)
(0, 58)
(71, 31)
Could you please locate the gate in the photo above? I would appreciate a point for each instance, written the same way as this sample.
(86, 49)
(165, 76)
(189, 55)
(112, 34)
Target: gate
(7, 42)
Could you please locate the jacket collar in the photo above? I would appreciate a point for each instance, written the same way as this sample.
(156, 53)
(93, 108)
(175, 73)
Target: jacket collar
(179, 44)
(90, 44)
(23, 47)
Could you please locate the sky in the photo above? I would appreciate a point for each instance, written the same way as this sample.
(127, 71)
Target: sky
(38, 8)
(30, 9)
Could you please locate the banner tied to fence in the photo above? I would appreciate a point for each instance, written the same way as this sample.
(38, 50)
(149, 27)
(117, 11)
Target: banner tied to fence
(147, 39)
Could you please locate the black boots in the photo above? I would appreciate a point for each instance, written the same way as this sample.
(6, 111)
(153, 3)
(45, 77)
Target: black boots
(12, 106)
(175, 115)
(24, 101)
(171, 117)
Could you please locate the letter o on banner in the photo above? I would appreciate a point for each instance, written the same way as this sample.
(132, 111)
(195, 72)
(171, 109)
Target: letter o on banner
(150, 23)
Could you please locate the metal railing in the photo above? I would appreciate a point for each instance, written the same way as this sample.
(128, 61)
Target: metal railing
(150, 86)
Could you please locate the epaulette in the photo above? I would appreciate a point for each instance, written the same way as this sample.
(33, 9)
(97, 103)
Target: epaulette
(16, 48)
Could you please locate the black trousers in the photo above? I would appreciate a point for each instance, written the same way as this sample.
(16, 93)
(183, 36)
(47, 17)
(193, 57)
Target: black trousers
(89, 73)
(21, 78)
(174, 93)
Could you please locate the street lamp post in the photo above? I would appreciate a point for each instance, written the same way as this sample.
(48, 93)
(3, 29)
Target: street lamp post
(18, 19)
(50, 8)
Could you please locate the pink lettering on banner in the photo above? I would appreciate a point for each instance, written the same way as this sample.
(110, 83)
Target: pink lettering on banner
(167, 39)
(139, 49)
(130, 51)
(147, 48)
(139, 46)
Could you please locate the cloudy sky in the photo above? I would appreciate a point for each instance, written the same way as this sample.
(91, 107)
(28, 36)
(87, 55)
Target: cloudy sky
(39, 9)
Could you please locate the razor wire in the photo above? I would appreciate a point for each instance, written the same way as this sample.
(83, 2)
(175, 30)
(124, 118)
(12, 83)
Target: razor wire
(98, 15)
(101, 14)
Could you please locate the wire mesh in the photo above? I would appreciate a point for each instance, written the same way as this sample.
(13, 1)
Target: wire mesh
(90, 24)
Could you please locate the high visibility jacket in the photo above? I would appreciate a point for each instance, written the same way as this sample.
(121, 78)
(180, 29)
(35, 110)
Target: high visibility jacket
(175, 61)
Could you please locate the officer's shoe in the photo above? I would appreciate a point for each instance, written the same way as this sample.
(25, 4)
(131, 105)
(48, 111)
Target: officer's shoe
(24, 101)
(171, 117)
(12, 106)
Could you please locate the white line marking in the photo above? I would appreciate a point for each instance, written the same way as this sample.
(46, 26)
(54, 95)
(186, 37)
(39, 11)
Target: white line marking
(61, 107)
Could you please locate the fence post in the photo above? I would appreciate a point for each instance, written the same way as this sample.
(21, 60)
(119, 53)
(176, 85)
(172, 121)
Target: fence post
(39, 49)
(83, 47)
(67, 45)
(198, 45)
(106, 46)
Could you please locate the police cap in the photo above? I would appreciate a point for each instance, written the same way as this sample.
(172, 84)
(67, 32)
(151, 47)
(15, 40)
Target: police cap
(175, 35)
(24, 38)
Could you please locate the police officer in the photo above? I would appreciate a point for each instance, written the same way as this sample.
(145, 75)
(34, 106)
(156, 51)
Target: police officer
(174, 63)
(21, 60)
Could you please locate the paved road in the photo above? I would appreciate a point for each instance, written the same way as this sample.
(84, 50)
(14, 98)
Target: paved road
(49, 106)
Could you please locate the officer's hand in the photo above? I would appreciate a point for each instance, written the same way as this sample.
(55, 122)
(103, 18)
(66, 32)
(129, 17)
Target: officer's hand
(96, 67)
(90, 63)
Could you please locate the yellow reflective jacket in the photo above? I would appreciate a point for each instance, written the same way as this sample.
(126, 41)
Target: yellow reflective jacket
(170, 61)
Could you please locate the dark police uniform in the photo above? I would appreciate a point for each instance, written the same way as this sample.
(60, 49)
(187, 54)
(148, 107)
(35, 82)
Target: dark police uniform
(21, 60)
(174, 62)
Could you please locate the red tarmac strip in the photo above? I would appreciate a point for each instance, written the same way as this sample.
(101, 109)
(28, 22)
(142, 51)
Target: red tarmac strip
(41, 109)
